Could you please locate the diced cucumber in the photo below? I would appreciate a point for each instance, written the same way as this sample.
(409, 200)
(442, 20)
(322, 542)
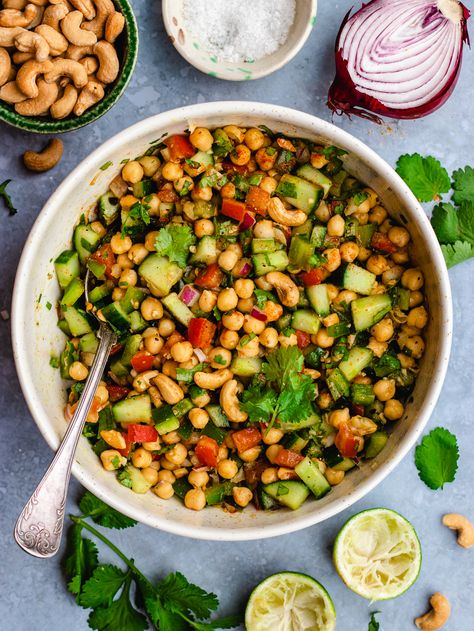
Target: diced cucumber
(283, 322)
(318, 236)
(132, 224)
(375, 443)
(337, 384)
(300, 193)
(217, 493)
(100, 292)
(358, 359)
(116, 316)
(294, 441)
(311, 174)
(346, 464)
(332, 456)
(138, 482)
(368, 311)
(264, 245)
(118, 368)
(160, 274)
(86, 241)
(77, 321)
(137, 323)
(309, 472)
(143, 188)
(73, 292)
(300, 252)
(165, 419)
(67, 357)
(180, 487)
(217, 415)
(358, 279)
(387, 365)
(169, 425)
(214, 432)
(185, 430)
(312, 358)
(204, 210)
(400, 298)
(64, 326)
(304, 230)
(362, 394)
(339, 330)
(133, 410)
(319, 298)
(305, 320)
(98, 269)
(290, 493)
(313, 419)
(132, 346)
(337, 182)
(204, 158)
(270, 262)
(178, 309)
(265, 502)
(246, 366)
(206, 251)
(67, 267)
(182, 407)
(365, 233)
(88, 343)
(109, 208)
(134, 296)
(222, 144)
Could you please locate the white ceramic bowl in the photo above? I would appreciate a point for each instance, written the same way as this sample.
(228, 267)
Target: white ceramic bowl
(36, 337)
(194, 51)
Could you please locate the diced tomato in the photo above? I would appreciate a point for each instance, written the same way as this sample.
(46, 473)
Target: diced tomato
(233, 209)
(381, 242)
(117, 392)
(246, 438)
(128, 446)
(257, 199)
(141, 433)
(105, 256)
(357, 409)
(288, 458)
(201, 332)
(303, 339)
(143, 360)
(230, 166)
(116, 348)
(347, 443)
(179, 147)
(210, 278)
(206, 451)
(315, 276)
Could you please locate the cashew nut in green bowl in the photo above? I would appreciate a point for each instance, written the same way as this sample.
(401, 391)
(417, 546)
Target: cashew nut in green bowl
(61, 68)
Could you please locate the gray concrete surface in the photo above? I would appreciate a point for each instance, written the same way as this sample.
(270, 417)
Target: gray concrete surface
(32, 592)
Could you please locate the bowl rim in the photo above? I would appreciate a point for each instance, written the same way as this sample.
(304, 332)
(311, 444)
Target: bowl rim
(49, 125)
(226, 74)
(289, 116)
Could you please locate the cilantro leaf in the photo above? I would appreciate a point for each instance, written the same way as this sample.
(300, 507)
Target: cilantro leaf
(168, 621)
(119, 616)
(259, 404)
(80, 560)
(226, 622)
(263, 297)
(445, 223)
(466, 221)
(295, 401)
(179, 595)
(436, 458)
(463, 185)
(102, 586)
(103, 514)
(174, 242)
(282, 364)
(425, 176)
(6, 198)
(373, 624)
(458, 252)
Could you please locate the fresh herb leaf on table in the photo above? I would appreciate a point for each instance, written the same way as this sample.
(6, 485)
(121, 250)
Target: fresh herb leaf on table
(6, 198)
(436, 458)
(463, 185)
(425, 176)
(174, 242)
(373, 624)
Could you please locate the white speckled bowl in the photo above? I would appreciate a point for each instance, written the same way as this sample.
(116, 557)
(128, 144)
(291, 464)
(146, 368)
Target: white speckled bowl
(195, 53)
(36, 336)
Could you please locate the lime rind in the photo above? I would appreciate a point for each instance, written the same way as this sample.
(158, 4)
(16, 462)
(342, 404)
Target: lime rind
(290, 601)
(377, 554)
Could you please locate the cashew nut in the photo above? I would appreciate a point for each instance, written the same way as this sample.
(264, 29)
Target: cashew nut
(54, 14)
(438, 616)
(47, 95)
(230, 403)
(28, 42)
(42, 3)
(142, 380)
(104, 8)
(71, 28)
(287, 291)
(78, 52)
(16, 17)
(67, 68)
(464, 527)
(86, 7)
(90, 64)
(64, 105)
(114, 26)
(20, 58)
(5, 66)
(91, 94)
(212, 380)
(28, 74)
(280, 214)
(46, 159)
(108, 62)
(7, 35)
(10, 93)
(15, 4)
(57, 42)
(169, 389)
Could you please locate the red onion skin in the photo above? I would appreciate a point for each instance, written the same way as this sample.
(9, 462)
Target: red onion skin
(247, 222)
(258, 315)
(345, 98)
(244, 270)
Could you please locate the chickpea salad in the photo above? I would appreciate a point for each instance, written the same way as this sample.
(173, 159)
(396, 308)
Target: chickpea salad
(269, 320)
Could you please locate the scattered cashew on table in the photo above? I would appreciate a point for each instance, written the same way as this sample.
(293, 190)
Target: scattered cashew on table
(70, 45)
(465, 529)
(438, 616)
(46, 159)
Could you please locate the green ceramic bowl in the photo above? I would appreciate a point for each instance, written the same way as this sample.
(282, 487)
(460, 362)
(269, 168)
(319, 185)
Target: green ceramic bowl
(127, 48)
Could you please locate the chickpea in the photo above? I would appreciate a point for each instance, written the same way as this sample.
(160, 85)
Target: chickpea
(405, 361)
(377, 215)
(177, 455)
(195, 499)
(127, 201)
(184, 185)
(151, 475)
(263, 229)
(418, 318)
(349, 251)
(203, 193)
(269, 475)
(222, 453)
(323, 339)
(233, 320)
(383, 330)
(153, 202)
(253, 325)
(333, 257)
(181, 351)
(169, 368)
(333, 476)
(128, 278)
(346, 296)
(166, 327)
(266, 158)
(324, 400)
(229, 339)
(416, 298)
(164, 490)
(318, 160)
(378, 348)
(392, 275)
(269, 184)
(141, 458)
(323, 214)
(203, 228)
(166, 476)
(401, 257)
(385, 227)
(154, 445)
(268, 337)
(112, 459)
(198, 479)
(336, 417)
(240, 155)
(336, 226)
(377, 264)
(120, 244)
(118, 293)
(331, 319)
(254, 139)
(132, 172)
(199, 418)
(150, 165)
(78, 371)
(364, 254)
(399, 236)
(138, 253)
(412, 279)
(385, 389)
(227, 299)
(242, 495)
(250, 455)
(272, 452)
(416, 346)
(228, 191)
(287, 340)
(244, 287)
(272, 436)
(123, 262)
(393, 410)
(172, 171)
(201, 138)
(227, 260)
(237, 134)
(207, 301)
(99, 229)
(102, 393)
(155, 396)
(151, 309)
(220, 357)
(227, 468)
(245, 305)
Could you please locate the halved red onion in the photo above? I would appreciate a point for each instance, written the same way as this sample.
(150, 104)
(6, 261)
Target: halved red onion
(189, 295)
(247, 222)
(259, 315)
(398, 58)
(243, 268)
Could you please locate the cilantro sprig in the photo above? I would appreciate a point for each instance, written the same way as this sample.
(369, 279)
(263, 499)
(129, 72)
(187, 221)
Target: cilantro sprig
(374, 625)
(171, 604)
(174, 242)
(6, 198)
(436, 458)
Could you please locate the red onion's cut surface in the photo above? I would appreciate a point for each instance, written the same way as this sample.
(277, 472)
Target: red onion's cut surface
(398, 58)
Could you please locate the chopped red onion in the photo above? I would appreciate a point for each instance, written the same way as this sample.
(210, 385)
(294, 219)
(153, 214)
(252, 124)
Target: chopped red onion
(244, 269)
(398, 58)
(189, 295)
(247, 222)
(258, 315)
(200, 355)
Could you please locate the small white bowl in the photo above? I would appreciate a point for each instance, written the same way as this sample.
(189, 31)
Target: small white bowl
(36, 336)
(195, 53)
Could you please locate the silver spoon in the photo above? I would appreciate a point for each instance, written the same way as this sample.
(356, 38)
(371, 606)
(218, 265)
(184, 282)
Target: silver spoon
(39, 527)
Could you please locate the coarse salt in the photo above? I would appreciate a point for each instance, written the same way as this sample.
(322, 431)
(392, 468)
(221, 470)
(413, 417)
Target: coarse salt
(239, 30)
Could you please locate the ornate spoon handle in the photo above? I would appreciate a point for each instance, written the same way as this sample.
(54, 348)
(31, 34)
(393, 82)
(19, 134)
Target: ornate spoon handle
(39, 527)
